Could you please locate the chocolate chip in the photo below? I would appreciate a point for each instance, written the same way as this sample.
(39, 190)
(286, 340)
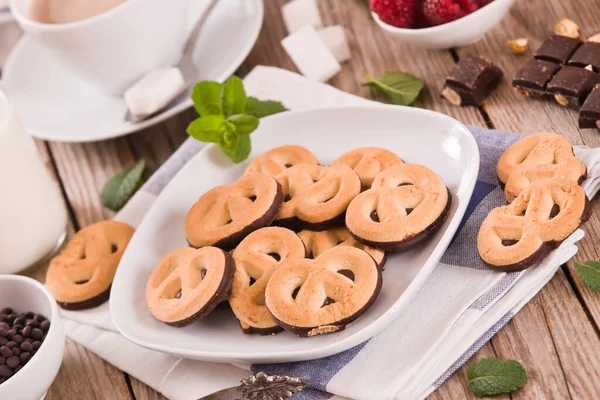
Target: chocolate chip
(17, 369)
(2, 380)
(40, 318)
(19, 321)
(37, 334)
(25, 357)
(5, 352)
(13, 361)
(29, 340)
(27, 331)
(3, 332)
(5, 371)
(25, 346)
(10, 318)
(16, 351)
(45, 325)
(11, 344)
(3, 341)
(12, 332)
(4, 325)
(18, 339)
(36, 345)
(28, 315)
(32, 323)
(2, 360)
(7, 311)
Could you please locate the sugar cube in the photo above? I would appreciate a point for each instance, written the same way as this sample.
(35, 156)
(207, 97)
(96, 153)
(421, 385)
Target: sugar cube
(154, 90)
(334, 38)
(300, 13)
(310, 54)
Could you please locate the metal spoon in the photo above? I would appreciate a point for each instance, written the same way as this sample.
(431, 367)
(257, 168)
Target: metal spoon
(186, 64)
(261, 387)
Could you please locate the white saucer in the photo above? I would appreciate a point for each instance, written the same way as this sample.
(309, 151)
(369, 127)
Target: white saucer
(55, 105)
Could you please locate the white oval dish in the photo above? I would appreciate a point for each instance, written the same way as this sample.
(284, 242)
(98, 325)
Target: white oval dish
(33, 380)
(461, 32)
(426, 137)
(56, 105)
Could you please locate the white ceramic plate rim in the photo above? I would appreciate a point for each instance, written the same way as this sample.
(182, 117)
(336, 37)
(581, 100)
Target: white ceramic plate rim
(370, 330)
(176, 109)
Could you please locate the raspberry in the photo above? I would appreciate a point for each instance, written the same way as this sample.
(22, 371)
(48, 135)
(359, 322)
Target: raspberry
(469, 5)
(440, 12)
(399, 13)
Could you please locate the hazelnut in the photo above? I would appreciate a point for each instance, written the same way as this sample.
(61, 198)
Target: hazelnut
(452, 96)
(562, 100)
(517, 46)
(522, 91)
(566, 27)
(595, 38)
(589, 67)
(598, 124)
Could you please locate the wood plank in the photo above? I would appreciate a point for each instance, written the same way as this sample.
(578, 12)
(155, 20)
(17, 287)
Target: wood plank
(83, 375)
(143, 391)
(457, 386)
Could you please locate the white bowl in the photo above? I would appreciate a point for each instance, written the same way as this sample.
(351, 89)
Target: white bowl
(461, 32)
(34, 379)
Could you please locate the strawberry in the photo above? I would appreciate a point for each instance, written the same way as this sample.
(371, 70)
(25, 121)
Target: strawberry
(399, 13)
(439, 12)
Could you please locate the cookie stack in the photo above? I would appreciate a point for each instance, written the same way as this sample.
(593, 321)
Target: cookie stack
(295, 245)
(541, 178)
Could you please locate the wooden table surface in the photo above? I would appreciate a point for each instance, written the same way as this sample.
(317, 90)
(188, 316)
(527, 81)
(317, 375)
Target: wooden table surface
(556, 336)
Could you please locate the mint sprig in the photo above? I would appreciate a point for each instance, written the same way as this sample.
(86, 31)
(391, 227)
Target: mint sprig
(589, 273)
(119, 189)
(401, 88)
(493, 376)
(228, 116)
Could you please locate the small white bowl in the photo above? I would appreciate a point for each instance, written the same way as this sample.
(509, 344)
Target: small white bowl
(461, 32)
(34, 379)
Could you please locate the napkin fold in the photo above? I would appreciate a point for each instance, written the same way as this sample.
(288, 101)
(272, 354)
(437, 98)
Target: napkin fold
(459, 308)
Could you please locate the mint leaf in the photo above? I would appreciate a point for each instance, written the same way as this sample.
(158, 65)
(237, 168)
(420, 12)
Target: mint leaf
(263, 108)
(233, 97)
(230, 136)
(209, 128)
(493, 376)
(400, 88)
(589, 273)
(240, 151)
(206, 96)
(244, 124)
(119, 189)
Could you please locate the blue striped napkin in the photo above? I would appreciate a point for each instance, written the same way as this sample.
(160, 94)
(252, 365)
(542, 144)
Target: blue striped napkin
(461, 306)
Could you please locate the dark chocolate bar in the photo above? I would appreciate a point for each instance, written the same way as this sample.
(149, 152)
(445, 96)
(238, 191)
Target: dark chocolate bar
(570, 86)
(589, 116)
(558, 49)
(471, 80)
(587, 54)
(531, 80)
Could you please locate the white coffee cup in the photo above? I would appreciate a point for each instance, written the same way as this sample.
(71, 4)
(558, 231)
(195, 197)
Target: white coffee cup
(114, 49)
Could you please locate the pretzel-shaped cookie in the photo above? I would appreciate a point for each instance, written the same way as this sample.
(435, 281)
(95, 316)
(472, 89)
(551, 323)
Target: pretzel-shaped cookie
(314, 297)
(538, 156)
(316, 196)
(367, 162)
(256, 258)
(406, 203)
(80, 277)
(224, 215)
(277, 160)
(318, 242)
(516, 236)
(188, 284)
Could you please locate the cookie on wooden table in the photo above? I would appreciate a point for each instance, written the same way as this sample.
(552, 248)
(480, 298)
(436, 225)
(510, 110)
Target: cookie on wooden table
(81, 276)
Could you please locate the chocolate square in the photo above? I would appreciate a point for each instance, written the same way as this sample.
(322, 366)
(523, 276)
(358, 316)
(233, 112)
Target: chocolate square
(558, 49)
(533, 77)
(587, 54)
(589, 116)
(473, 78)
(574, 84)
